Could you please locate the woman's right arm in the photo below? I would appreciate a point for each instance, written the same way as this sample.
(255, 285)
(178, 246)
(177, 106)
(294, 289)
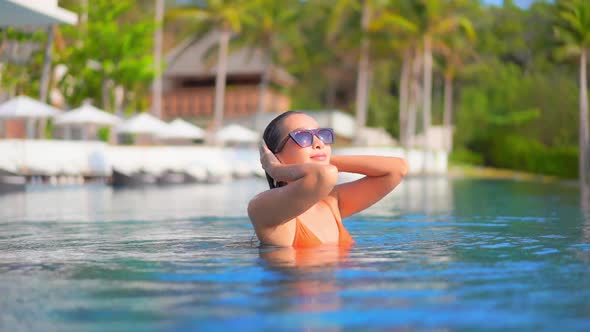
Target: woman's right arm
(308, 183)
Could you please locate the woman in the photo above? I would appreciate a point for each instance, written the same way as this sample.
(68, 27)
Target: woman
(304, 206)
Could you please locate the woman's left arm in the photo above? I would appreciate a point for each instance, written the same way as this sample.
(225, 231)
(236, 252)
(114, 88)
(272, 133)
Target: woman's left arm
(382, 175)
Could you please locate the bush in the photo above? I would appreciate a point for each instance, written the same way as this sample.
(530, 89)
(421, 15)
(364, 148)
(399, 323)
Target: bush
(520, 153)
(464, 156)
(103, 134)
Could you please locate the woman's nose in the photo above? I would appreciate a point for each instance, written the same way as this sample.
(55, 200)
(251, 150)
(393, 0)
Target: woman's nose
(317, 143)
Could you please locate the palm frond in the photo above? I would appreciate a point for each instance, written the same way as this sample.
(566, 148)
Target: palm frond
(191, 13)
(567, 51)
(388, 20)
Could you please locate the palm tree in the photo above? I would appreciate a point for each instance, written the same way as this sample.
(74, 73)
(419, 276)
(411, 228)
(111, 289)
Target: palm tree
(321, 60)
(46, 74)
(402, 31)
(437, 19)
(415, 91)
(364, 70)
(455, 49)
(367, 8)
(573, 29)
(47, 59)
(226, 16)
(272, 27)
(158, 39)
(390, 34)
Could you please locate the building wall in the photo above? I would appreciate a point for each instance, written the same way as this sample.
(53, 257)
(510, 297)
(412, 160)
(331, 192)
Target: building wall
(13, 129)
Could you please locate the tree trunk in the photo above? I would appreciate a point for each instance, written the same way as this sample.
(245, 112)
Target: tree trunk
(413, 101)
(46, 76)
(84, 15)
(120, 95)
(331, 94)
(427, 93)
(106, 96)
(46, 73)
(584, 135)
(157, 84)
(403, 99)
(448, 112)
(363, 75)
(264, 83)
(220, 80)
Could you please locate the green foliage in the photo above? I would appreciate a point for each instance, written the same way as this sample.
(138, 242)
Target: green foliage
(383, 106)
(572, 26)
(112, 49)
(273, 26)
(48, 133)
(464, 156)
(103, 134)
(517, 89)
(520, 153)
(508, 81)
(225, 14)
(21, 59)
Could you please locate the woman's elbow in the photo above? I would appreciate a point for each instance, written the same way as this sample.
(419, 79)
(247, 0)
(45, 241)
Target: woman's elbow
(403, 167)
(398, 171)
(398, 168)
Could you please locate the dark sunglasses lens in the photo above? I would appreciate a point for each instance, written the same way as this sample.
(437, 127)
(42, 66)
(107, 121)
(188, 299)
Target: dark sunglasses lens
(326, 135)
(303, 139)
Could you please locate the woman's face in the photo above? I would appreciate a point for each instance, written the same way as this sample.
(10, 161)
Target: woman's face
(292, 153)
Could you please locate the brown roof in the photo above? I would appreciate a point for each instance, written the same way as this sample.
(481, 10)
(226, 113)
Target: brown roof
(188, 59)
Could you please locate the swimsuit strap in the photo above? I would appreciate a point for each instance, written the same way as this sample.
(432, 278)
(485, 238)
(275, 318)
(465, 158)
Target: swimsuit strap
(336, 215)
(343, 235)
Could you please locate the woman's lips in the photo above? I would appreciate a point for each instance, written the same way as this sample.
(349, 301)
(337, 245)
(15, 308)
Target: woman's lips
(320, 157)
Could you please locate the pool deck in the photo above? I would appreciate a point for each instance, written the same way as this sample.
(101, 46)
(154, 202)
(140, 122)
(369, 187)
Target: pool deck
(88, 159)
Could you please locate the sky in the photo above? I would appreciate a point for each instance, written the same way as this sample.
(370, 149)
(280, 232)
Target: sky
(521, 3)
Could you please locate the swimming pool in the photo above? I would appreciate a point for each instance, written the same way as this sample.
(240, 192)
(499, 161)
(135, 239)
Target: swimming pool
(437, 254)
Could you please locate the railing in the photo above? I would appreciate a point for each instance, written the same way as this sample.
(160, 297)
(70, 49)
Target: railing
(199, 102)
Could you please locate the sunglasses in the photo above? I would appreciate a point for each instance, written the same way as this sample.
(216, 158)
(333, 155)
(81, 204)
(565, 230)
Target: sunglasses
(304, 137)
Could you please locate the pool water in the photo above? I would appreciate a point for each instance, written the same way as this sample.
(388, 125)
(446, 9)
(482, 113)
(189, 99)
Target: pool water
(436, 254)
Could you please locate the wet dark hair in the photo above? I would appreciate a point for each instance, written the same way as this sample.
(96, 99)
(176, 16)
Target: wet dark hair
(272, 136)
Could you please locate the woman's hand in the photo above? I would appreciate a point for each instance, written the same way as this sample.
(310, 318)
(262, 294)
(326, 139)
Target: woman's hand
(268, 160)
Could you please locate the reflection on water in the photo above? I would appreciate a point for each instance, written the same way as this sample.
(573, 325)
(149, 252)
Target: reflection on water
(104, 203)
(585, 206)
(309, 276)
(431, 196)
(323, 256)
(436, 254)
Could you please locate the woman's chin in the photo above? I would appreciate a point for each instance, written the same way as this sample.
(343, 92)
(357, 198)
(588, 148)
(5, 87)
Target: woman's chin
(321, 161)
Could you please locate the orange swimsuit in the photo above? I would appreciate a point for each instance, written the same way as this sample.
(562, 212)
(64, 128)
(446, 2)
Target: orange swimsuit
(305, 238)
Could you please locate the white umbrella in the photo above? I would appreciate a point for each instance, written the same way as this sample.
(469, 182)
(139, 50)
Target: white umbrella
(143, 124)
(35, 13)
(87, 114)
(237, 134)
(180, 129)
(84, 116)
(23, 107)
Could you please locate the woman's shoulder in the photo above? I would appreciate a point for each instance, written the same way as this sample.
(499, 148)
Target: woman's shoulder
(254, 201)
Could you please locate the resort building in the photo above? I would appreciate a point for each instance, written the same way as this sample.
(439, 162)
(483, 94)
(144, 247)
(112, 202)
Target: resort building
(189, 83)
